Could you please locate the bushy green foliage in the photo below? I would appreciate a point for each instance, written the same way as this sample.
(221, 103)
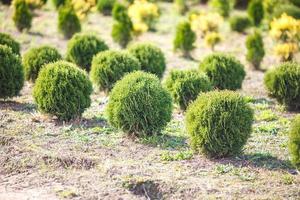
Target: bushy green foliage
(255, 49)
(68, 22)
(110, 66)
(239, 23)
(138, 104)
(151, 58)
(7, 40)
(123, 27)
(11, 73)
(59, 3)
(289, 9)
(223, 7)
(35, 58)
(219, 123)
(294, 142)
(256, 11)
(295, 2)
(82, 48)
(181, 6)
(105, 6)
(283, 83)
(22, 16)
(185, 86)
(63, 90)
(224, 71)
(184, 38)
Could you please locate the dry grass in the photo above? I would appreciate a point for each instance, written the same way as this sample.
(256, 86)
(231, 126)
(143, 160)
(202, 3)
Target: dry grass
(88, 159)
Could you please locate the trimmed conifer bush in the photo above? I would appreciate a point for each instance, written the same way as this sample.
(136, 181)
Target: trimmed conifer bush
(123, 27)
(239, 23)
(219, 123)
(105, 6)
(283, 83)
(35, 58)
(62, 90)
(256, 11)
(11, 73)
(255, 49)
(139, 105)
(22, 15)
(7, 40)
(184, 38)
(82, 48)
(68, 22)
(185, 86)
(224, 71)
(294, 142)
(223, 7)
(151, 58)
(110, 66)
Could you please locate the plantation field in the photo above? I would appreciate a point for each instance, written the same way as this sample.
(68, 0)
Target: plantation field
(44, 158)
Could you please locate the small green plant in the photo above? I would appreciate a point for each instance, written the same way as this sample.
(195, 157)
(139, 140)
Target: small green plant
(219, 123)
(11, 73)
(256, 11)
(63, 90)
(22, 15)
(7, 40)
(123, 27)
(294, 142)
(185, 86)
(239, 23)
(182, 155)
(81, 49)
(223, 7)
(105, 6)
(266, 115)
(255, 49)
(224, 71)
(151, 58)
(68, 22)
(184, 38)
(283, 83)
(36, 58)
(139, 105)
(110, 66)
(289, 9)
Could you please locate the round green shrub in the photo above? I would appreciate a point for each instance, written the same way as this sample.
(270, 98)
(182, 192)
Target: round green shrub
(224, 7)
(184, 38)
(185, 86)
(22, 15)
(59, 3)
(138, 104)
(110, 66)
(36, 58)
(283, 83)
(11, 73)
(224, 71)
(219, 123)
(294, 142)
(62, 90)
(151, 58)
(68, 22)
(82, 48)
(123, 27)
(289, 9)
(105, 6)
(256, 11)
(255, 49)
(239, 23)
(7, 40)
